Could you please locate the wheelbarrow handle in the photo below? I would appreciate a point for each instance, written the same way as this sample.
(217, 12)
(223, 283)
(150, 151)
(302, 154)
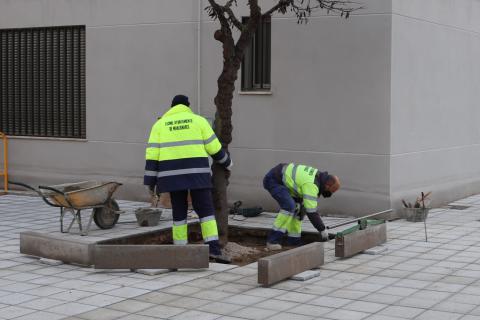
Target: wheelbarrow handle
(39, 192)
(59, 192)
(26, 186)
(51, 189)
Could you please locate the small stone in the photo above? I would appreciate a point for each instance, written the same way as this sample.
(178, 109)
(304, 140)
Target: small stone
(306, 275)
(148, 217)
(51, 262)
(376, 250)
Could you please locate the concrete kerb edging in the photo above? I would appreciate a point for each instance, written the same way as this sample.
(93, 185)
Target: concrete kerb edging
(56, 248)
(193, 256)
(124, 256)
(76, 251)
(283, 265)
(360, 240)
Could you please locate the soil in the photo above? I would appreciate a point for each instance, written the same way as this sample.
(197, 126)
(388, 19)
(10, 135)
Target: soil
(242, 255)
(245, 246)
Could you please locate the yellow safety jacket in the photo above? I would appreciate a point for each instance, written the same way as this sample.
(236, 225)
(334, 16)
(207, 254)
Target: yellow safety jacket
(178, 149)
(300, 181)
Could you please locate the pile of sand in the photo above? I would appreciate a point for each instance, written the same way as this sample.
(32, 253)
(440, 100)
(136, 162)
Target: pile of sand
(236, 251)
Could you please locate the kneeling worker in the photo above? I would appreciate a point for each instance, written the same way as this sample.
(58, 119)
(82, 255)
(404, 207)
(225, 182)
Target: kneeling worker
(296, 189)
(177, 162)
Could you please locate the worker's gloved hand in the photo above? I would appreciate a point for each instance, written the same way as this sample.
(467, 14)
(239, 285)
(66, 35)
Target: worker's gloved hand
(298, 208)
(303, 213)
(324, 235)
(151, 190)
(229, 167)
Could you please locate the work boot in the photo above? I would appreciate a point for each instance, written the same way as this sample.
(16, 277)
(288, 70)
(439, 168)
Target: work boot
(274, 246)
(294, 242)
(220, 258)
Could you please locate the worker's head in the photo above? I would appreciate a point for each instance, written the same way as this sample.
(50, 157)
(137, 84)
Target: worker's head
(331, 186)
(180, 99)
(327, 183)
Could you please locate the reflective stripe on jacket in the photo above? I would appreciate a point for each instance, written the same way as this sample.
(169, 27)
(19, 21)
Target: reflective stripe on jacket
(300, 181)
(178, 149)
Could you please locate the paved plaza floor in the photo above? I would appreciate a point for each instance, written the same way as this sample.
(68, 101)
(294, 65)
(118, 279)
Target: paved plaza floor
(413, 279)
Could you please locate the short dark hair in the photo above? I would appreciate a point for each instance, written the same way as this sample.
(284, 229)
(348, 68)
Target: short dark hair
(330, 179)
(180, 99)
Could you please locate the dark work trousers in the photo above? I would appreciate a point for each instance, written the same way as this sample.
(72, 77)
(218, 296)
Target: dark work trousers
(202, 204)
(274, 185)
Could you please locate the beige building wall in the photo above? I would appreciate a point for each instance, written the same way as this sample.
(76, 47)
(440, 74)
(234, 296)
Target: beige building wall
(386, 99)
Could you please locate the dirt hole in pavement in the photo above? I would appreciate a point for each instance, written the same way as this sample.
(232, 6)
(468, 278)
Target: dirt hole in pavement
(246, 245)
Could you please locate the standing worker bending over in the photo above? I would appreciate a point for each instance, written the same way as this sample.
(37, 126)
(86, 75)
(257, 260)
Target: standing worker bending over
(296, 189)
(177, 162)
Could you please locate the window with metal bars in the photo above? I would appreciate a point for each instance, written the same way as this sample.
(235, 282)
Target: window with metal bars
(42, 82)
(256, 61)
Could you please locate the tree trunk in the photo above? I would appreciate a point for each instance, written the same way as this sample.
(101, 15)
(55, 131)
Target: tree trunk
(223, 130)
(232, 58)
(220, 182)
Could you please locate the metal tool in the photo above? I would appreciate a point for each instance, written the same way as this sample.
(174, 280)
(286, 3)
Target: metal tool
(425, 218)
(336, 225)
(366, 234)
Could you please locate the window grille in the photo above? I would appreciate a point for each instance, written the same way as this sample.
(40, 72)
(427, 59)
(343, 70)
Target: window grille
(256, 61)
(42, 82)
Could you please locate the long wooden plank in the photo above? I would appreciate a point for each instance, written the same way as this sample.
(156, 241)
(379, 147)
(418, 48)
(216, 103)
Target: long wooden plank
(283, 265)
(150, 256)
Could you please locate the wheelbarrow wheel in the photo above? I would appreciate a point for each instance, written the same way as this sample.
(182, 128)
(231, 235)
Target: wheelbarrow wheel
(105, 217)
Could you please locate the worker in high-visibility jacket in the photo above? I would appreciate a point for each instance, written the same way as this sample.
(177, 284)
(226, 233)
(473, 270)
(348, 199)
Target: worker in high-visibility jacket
(177, 162)
(296, 188)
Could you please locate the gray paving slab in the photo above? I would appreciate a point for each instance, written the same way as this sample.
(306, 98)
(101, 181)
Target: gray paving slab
(306, 275)
(413, 279)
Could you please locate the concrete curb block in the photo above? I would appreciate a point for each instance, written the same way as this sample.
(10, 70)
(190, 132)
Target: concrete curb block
(150, 256)
(358, 241)
(283, 265)
(55, 248)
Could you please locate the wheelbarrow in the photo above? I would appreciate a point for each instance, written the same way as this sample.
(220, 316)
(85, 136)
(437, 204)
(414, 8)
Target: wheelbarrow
(75, 197)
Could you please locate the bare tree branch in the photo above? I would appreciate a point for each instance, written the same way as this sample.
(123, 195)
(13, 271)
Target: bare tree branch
(229, 3)
(233, 19)
(303, 8)
(249, 29)
(281, 7)
(217, 11)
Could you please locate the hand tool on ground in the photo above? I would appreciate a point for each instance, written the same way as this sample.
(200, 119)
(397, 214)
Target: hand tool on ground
(425, 220)
(367, 233)
(246, 212)
(359, 219)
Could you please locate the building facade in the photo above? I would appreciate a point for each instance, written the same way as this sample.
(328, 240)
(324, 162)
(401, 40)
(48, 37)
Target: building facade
(387, 99)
